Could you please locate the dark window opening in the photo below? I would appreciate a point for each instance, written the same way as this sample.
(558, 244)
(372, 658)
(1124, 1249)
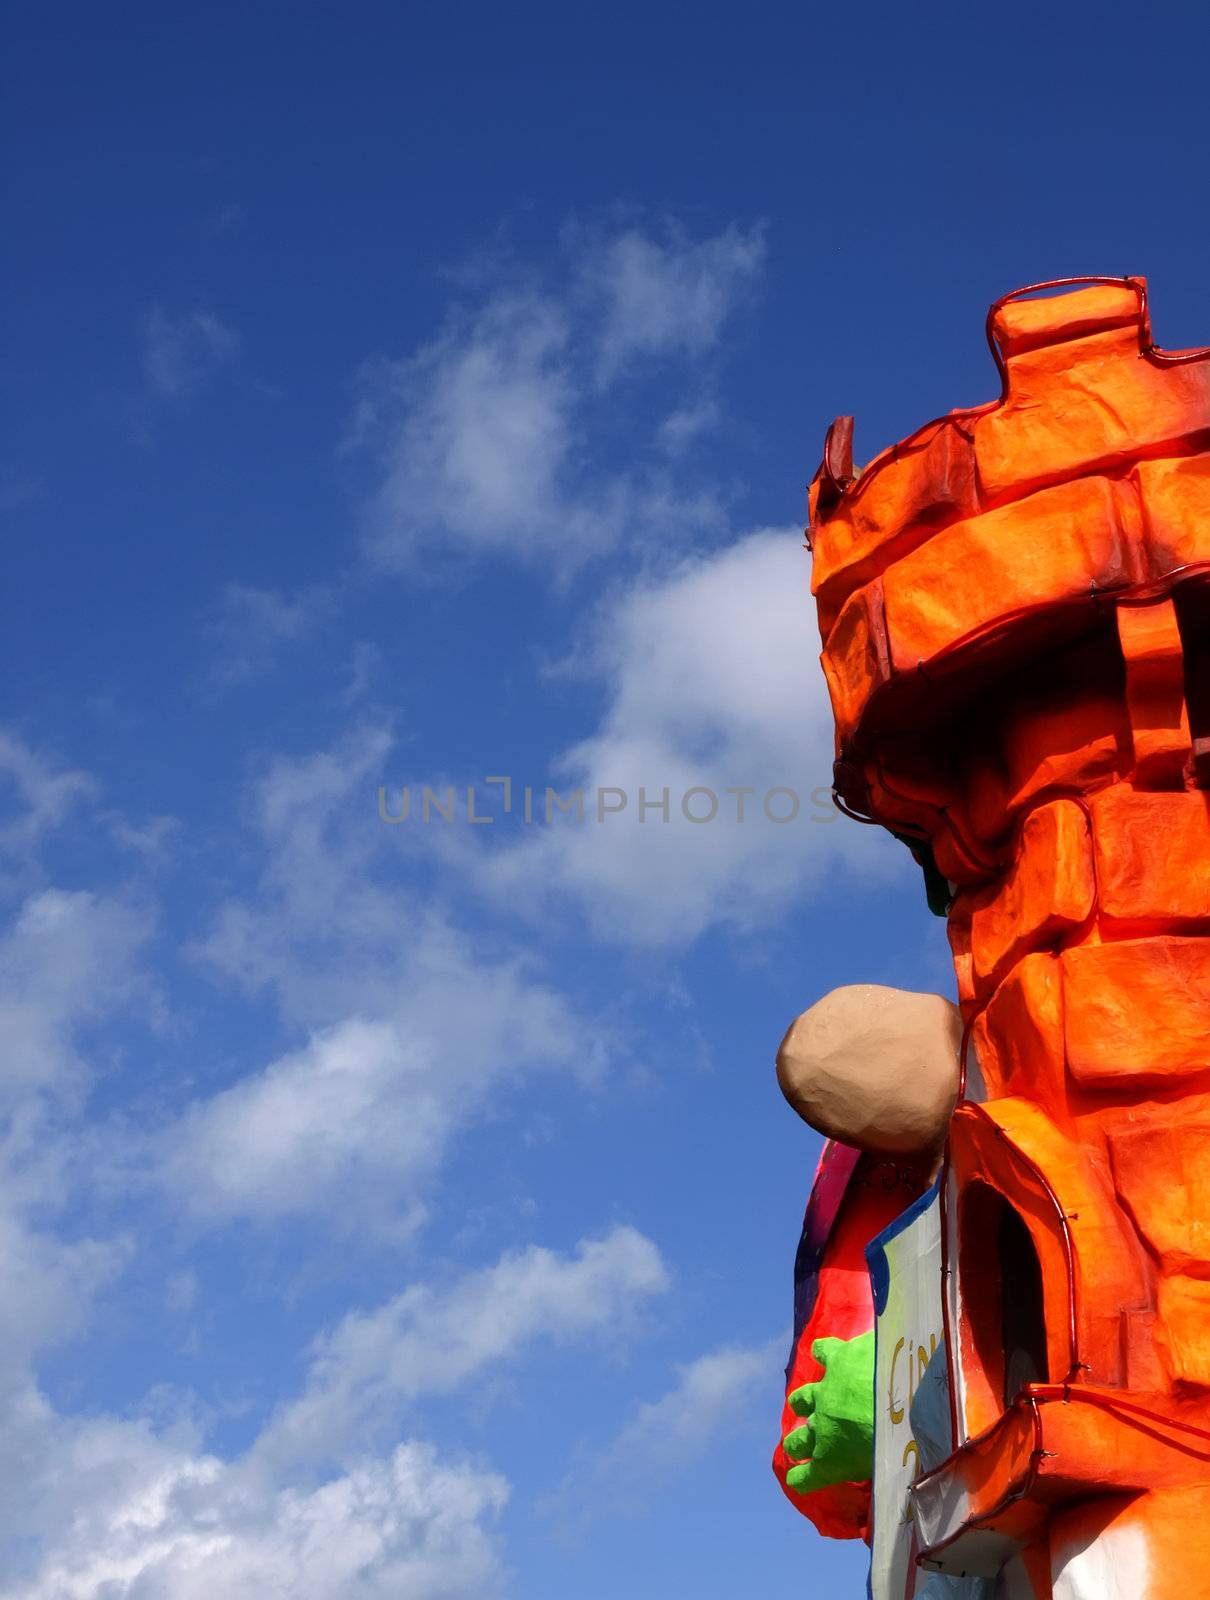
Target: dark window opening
(1023, 1318)
(1193, 618)
(1002, 1293)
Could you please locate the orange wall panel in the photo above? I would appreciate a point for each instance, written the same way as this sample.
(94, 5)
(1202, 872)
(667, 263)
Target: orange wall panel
(1039, 551)
(1049, 890)
(1136, 1010)
(1152, 857)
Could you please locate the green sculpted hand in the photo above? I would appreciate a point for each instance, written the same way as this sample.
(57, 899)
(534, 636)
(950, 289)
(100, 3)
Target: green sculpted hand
(837, 1443)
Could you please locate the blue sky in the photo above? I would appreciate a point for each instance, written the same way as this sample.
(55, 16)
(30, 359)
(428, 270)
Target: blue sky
(404, 396)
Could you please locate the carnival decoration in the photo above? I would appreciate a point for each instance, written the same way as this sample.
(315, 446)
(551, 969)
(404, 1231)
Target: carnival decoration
(1014, 604)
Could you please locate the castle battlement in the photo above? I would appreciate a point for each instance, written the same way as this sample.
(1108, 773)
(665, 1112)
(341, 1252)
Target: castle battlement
(995, 536)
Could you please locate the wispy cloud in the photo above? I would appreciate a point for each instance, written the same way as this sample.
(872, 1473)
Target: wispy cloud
(68, 958)
(491, 437)
(476, 436)
(70, 962)
(104, 1507)
(681, 427)
(409, 1033)
(721, 1393)
(670, 295)
(40, 794)
(382, 1027)
(180, 353)
(250, 626)
(354, 1109)
(126, 1513)
(712, 684)
(48, 1284)
(329, 1500)
(351, 1128)
(427, 1341)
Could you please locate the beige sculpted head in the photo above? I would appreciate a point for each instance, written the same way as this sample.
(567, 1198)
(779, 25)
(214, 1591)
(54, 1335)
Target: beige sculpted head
(874, 1067)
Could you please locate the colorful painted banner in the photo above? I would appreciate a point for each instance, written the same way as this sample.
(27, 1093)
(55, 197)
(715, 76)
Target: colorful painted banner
(905, 1274)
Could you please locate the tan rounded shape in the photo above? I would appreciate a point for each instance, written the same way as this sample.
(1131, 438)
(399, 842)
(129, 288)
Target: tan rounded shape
(874, 1067)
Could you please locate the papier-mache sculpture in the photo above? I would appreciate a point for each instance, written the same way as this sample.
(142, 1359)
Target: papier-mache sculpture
(1001, 1366)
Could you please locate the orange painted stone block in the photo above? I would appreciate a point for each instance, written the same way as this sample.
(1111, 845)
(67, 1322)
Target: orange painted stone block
(1021, 325)
(1136, 1010)
(1019, 1037)
(894, 506)
(1037, 552)
(1152, 858)
(1161, 744)
(855, 659)
(1175, 497)
(1184, 1307)
(1162, 1171)
(1048, 891)
(1076, 408)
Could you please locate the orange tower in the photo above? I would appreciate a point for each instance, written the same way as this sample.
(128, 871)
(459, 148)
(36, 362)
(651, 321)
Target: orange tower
(1015, 611)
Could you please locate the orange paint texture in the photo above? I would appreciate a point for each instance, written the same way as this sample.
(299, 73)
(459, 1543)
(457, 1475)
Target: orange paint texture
(1015, 611)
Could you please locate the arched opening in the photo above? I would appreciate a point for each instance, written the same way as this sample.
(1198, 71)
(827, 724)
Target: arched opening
(1002, 1296)
(1023, 1319)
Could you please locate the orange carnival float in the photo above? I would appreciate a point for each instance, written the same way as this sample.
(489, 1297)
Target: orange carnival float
(1015, 611)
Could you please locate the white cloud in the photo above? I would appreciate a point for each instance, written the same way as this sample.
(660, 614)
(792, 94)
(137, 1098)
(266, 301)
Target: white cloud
(180, 353)
(411, 1029)
(352, 1105)
(39, 796)
(334, 925)
(491, 438)
(320, 926)
(108, 1509)
(669, 297)
(427, 1341)
(351, 1127)
(735, 1389)
(477, 434)
(363, 666)
(715, 1392)
(250, 625)
(47, 1284)
(44, 795)
(129, 1516)
(713, 683)
(70, 964)
(67, 960)
(681, 427)
(348, 1128)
